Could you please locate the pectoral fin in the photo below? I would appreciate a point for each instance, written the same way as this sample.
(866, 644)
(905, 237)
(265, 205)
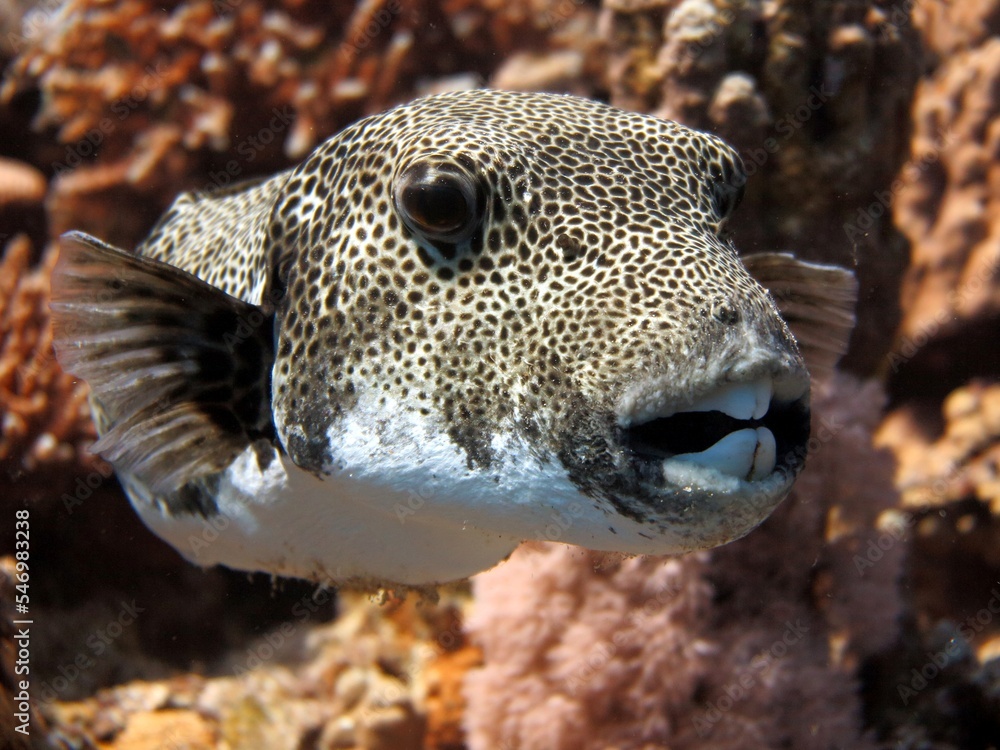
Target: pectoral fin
(179, 370)
(817, 301)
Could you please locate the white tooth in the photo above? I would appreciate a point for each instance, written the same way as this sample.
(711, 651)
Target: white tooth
(762, 397)
(733, 455)
(737, 400)
(765, 455)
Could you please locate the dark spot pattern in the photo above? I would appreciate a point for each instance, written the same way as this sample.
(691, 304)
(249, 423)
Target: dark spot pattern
(596, 257)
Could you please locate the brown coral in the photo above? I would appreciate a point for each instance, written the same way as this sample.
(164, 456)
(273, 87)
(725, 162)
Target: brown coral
(949, 206)
(815, 100)
(358, 682)
(44, 411)
(148, 99)
(964, 462)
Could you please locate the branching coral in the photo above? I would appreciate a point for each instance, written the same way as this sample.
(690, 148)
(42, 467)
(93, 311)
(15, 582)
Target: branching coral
(44, 411)
(148, 98)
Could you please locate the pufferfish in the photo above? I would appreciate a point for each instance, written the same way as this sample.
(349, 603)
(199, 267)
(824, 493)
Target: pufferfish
(475, 319)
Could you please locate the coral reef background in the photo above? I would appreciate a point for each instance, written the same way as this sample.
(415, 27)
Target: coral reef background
(863, 614)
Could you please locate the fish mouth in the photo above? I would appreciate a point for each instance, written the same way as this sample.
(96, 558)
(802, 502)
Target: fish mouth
(749, 430)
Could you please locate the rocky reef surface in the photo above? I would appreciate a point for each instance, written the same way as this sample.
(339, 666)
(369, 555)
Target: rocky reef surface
(862, 614)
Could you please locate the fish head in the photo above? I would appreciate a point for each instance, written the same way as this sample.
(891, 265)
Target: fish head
(517, 304)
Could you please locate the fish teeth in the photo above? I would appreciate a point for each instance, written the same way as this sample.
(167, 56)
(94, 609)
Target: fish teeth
(731, 455)
(765, 456)
(747, 454)
(762, 391)
(742, 401)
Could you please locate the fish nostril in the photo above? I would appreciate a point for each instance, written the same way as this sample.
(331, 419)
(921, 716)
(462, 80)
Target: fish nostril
(726, 312)
(570, 246)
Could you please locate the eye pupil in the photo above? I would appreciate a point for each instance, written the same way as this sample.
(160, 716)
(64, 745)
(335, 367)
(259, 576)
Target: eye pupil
(438, 201)
(437, 205)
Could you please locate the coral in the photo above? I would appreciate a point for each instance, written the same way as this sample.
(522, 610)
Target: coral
(948, 206)
(815, 101)
(148, 99)
(756, 644)
(13, 652)
(963, 462)
(948, 27)
(358, 682)
(20, 184)
(44, 411)
(851, 160)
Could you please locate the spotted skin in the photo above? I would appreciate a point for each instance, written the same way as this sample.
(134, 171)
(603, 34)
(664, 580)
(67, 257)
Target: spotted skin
(457, 325)
(599, 257)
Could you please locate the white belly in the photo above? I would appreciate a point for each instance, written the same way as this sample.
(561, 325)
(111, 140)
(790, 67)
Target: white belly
(288, 522)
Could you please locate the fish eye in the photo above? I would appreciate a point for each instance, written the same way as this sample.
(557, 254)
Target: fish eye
(726, 196)
(438, 201)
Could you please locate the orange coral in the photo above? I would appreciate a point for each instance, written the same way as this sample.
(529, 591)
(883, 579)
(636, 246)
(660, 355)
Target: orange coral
(963, 462)
(949, 200)
(20, 183)
(45, 413)
(165, 95)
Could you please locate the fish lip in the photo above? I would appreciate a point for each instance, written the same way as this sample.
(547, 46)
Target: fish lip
(754, 430)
